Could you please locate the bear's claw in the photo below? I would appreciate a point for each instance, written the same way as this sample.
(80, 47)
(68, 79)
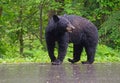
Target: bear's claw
(72, 60)
(57, 62)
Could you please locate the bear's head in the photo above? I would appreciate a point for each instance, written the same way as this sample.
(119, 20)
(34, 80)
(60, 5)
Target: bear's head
(63, 24)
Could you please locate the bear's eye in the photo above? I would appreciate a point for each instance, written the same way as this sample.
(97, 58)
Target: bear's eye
(63, 24)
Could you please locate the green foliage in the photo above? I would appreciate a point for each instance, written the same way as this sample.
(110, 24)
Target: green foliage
(24, 15)
(11, 22)
(73, 7)
(110, 31)
(107, 54)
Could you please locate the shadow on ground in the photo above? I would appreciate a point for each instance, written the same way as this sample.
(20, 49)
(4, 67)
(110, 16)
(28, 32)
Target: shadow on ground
(65, 73)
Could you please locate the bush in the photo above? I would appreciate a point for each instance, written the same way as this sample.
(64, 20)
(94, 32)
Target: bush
(110, 31)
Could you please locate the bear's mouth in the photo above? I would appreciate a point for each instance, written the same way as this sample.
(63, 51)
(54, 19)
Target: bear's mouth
(70, 29)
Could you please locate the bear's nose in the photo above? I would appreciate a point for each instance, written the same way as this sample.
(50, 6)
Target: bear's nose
(71, 26)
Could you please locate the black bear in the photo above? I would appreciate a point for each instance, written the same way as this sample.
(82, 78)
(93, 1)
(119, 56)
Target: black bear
(75, 29)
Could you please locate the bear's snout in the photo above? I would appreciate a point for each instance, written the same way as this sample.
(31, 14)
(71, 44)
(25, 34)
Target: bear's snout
(70, 28)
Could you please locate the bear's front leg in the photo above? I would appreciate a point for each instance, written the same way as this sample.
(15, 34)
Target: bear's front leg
(62, 48)
(50, 46)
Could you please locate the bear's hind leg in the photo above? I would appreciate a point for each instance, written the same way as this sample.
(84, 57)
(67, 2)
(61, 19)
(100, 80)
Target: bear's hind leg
(77, 50)
(90, 51)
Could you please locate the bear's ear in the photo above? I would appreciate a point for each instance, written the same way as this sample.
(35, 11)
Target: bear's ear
(55, 18)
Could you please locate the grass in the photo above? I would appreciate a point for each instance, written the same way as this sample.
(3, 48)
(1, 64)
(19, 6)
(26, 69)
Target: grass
(104, 54)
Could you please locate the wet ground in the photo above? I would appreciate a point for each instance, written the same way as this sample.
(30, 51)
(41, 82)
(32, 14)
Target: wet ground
(65, 73)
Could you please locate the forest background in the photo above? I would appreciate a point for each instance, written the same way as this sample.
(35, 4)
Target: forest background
(23, 23)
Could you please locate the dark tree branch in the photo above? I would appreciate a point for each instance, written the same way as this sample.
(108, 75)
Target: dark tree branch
(40, 8)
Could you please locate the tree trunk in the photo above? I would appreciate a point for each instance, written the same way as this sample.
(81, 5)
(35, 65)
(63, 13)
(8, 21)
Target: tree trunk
(20, 32)
(40, 8)
(21, 41)
(1, 11)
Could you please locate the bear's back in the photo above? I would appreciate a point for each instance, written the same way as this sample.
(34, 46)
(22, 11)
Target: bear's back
(83, 28)
(79, 22)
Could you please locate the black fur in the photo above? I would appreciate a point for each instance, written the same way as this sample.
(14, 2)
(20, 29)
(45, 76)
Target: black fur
(84, 35)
